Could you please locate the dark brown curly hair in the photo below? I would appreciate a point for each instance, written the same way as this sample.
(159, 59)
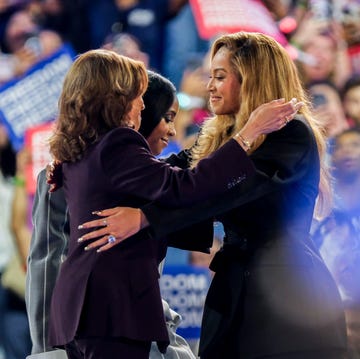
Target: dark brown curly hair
(96, 97)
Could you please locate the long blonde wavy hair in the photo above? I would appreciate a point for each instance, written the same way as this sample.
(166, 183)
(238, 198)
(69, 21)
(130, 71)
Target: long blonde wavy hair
(265, 72)
(96, 97)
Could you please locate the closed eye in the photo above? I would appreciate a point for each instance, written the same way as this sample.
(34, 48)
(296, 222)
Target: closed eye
(169, 117)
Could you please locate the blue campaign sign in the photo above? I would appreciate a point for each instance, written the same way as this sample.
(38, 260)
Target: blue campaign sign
(33, 99)
(185, 287)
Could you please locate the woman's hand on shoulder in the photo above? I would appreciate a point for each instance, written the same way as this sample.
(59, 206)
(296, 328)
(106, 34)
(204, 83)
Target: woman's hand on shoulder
(270, 117)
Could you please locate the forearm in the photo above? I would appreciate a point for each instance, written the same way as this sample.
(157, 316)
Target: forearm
(279, 148)
(163, 220)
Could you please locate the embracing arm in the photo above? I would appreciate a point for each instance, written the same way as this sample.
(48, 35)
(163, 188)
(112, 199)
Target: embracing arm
(286, 157)
(265, 119)
(224, 168)
(48, 248)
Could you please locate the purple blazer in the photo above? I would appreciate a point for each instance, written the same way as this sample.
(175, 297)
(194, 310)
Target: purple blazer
(116, 293)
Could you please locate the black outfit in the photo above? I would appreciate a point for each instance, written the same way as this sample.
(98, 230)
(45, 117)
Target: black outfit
(272, 295)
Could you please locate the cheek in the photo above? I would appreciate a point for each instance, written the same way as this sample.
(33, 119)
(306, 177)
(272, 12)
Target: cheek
(233, 97)
(155, 135)
(353, 106)
(139, 107)
(165, 129)
(150, 139)
(162, 129)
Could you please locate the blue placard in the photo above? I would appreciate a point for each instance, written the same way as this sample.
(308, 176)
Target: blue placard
(185, 287)
(33, 99)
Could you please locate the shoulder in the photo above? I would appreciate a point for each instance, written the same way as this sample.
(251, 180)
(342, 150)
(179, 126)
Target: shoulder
(44, 199)
(123, 136)
(42, 187)
(41, 178)
(299, 126)
(293, 145)
(118, 148)
(298, 131)
(299, 123)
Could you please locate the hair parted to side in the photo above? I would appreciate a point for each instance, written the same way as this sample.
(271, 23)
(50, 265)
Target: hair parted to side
(96, 97)
(265, 72)
(158, 98)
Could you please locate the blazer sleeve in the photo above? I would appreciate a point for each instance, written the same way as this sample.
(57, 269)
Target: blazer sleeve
(138, 173)
(199, 236)
(48, 248)
(285, 157)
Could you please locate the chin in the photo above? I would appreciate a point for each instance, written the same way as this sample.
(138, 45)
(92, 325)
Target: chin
(157, 151)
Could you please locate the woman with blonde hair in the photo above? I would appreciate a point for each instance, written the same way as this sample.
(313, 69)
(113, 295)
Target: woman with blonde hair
(108, 305)
(272, 295)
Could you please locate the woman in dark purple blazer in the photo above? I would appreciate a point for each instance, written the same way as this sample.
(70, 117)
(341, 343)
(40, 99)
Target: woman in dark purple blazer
(108, 305)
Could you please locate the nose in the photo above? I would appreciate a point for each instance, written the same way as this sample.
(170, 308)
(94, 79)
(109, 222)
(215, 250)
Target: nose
(172, 131)
(142, 104)
(209, 85)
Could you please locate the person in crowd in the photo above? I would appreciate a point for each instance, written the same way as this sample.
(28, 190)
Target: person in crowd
(7, 166)
(194, 100)
(127, 45)
(351, 100)
(326, 50)
(67, 18)
(272, 294)
(26, 43)
(22, 202)
(14, 329)
(181, 42)
(145, 20)
(48, 249)
(346, 170)
(337, 238)
(328, 107)
(347, 13)
(98, 119)
(338, 235)
(18, 327)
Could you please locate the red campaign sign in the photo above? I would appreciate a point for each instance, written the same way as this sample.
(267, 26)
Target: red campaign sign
(36, 142)
(214, 17)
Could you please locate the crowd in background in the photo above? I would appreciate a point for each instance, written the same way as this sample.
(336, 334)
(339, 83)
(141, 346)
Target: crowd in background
(324, 41)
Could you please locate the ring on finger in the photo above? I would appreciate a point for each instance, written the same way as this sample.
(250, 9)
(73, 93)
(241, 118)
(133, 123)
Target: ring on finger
(111, 239)
(104, 222)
